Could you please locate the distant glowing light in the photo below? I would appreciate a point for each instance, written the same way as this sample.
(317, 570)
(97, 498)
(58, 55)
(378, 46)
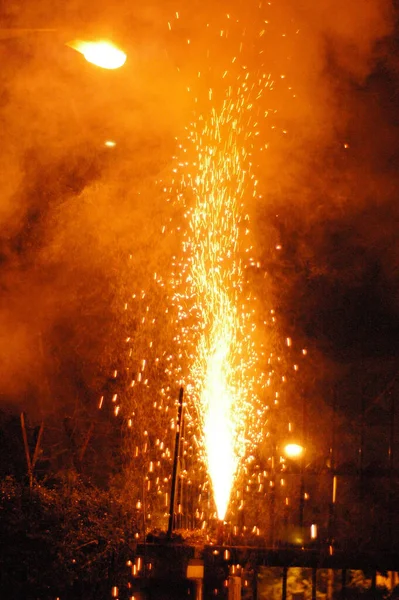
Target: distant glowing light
(293, 450)
(102, 54)
(110, 143)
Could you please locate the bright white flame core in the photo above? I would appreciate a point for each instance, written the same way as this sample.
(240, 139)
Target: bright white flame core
(219, 431)
(102, 54)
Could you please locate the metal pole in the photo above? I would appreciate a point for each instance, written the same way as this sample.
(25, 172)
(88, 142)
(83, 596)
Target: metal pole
(255, 583)
(302, 499)
(314, 583)
(391, 500)
(330, 584)
(182, 484)
(302, 484)
(332, 457)
(343, 584)
(234, 588)
(361, 446)
(272, 502)
(374, 585)
(198, 589)
(144, 532)
(175, 464)
(284, 586)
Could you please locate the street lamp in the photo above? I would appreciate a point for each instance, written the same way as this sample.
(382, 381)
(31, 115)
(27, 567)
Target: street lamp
(102, 53)
(293, 450)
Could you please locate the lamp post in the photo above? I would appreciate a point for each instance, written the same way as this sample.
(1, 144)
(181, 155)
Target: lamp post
(291, 450)
(272, 505)
(332, 465)
(175, 465)
(294, 451)
(102, 53)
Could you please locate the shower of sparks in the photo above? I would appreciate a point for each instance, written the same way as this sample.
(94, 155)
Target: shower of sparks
(222, 349)
(217, 328)
(204, 334)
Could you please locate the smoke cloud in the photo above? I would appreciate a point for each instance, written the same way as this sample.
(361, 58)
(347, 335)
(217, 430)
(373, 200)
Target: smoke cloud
(72, 210)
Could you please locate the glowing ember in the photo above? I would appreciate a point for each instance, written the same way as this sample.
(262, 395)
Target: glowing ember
(102, 54)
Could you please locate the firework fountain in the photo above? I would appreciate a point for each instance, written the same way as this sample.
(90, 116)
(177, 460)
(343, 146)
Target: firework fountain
(214, 312)
(216, 320)
(207, 337)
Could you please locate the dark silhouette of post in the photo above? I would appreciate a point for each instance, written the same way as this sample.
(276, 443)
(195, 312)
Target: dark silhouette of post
(302, 467)
(175, 464)
(284, 587)
(272, 497)
(343, 584)
(314, 583)
(331, 465)
(272, 506)
(391, 497)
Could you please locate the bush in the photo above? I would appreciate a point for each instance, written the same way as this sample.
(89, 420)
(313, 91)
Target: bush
(62, 541)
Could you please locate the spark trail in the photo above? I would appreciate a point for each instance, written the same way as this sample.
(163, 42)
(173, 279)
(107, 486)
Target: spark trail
(214, 310)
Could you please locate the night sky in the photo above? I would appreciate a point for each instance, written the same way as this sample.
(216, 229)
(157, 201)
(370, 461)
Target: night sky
(73, 211)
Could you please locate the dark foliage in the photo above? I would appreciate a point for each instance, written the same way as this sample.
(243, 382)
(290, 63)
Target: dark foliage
(69, 541)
